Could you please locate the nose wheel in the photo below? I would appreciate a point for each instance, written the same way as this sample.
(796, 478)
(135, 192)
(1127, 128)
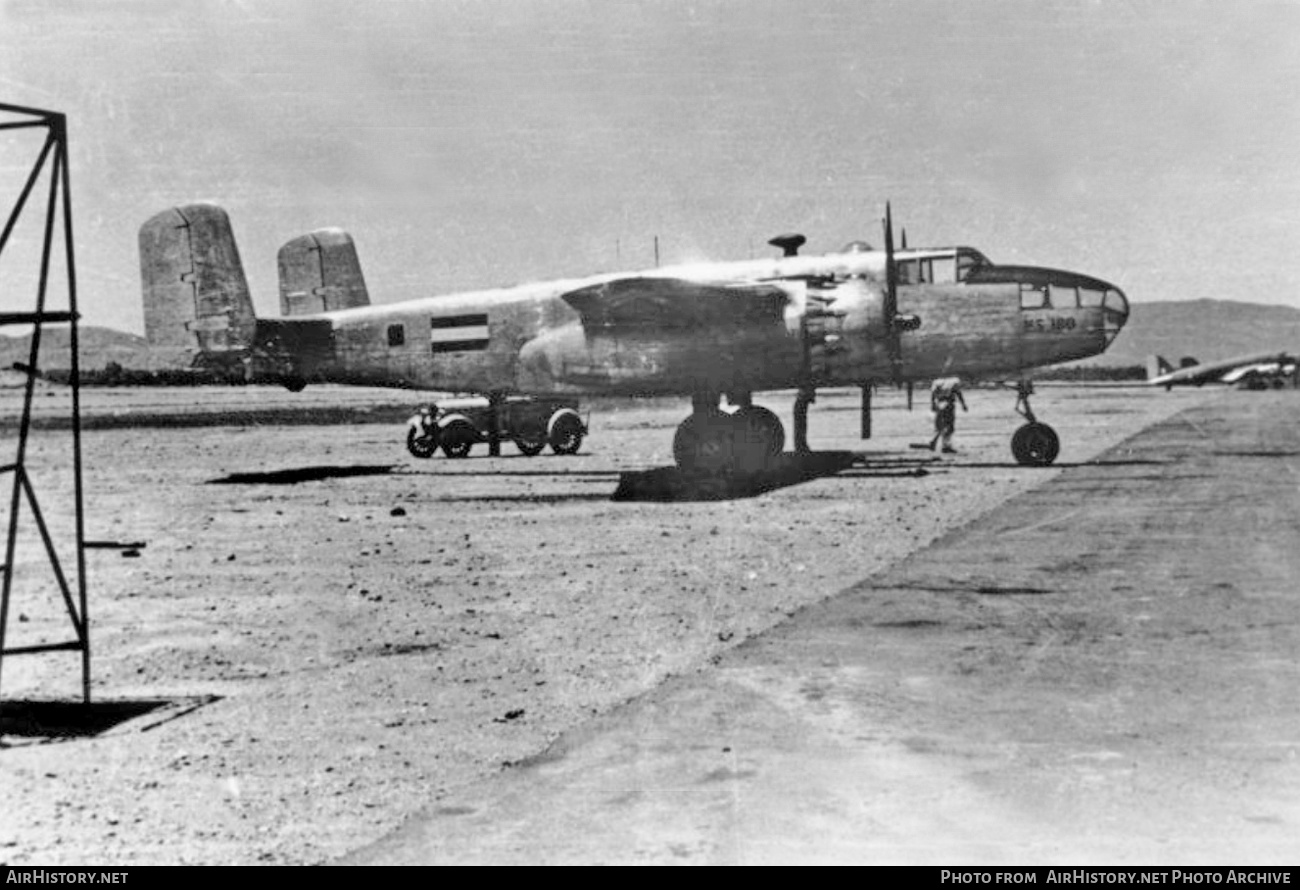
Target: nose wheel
(1034, 444)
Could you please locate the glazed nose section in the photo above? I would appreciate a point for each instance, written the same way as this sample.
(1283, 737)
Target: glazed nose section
(1114, 313)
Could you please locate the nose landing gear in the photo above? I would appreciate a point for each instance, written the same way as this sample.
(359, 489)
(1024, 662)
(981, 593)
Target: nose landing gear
(1034, 444)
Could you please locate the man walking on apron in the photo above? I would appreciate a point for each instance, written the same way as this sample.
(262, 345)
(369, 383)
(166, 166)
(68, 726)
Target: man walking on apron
(945, 393)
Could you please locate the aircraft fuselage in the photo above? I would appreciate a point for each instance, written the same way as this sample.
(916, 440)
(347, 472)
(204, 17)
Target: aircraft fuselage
(528, 339)
(708, 330)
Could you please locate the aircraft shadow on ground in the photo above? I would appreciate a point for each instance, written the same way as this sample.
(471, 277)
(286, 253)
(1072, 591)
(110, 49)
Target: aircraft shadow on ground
(526, 498)
(39, 721)
(294, 475)
(673, 484)
(667, 484)
(493, 474)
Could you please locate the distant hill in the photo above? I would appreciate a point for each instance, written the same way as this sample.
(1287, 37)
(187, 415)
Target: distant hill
(1204, 329)
(99, 346)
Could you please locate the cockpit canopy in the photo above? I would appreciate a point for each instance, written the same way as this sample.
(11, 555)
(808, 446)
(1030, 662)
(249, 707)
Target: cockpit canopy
(938, 266)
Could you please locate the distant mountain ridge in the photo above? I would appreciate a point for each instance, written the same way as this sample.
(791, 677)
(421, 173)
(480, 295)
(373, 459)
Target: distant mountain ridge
(1205, 329)
(98, 347)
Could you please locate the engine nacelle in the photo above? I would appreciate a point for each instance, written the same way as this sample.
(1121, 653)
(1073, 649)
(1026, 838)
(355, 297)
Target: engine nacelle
(844, 328)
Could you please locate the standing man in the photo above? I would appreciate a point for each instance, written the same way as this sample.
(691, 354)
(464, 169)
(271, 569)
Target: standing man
(945, 393)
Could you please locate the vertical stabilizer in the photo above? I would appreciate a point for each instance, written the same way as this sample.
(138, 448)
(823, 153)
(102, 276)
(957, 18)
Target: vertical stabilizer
(1157, 366)
(195, 294)
(320, 272)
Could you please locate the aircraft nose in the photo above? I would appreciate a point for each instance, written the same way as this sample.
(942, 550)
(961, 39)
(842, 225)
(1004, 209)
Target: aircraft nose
(1114, 312)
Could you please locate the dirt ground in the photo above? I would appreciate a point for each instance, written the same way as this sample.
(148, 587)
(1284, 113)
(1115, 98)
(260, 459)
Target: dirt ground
(322, 635)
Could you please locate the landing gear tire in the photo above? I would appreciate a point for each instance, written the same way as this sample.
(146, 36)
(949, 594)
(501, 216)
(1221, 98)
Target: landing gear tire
(1035, 445)
(566, 435)
(457, 439)
(703, 443)
(421, 445)
(762, 428)
(717, 442)
(757, 437)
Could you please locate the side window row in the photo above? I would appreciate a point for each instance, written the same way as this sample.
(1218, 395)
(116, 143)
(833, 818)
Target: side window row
(1038, 296)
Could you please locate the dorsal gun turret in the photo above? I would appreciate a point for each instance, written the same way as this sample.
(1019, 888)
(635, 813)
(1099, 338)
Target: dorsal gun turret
(789, 244)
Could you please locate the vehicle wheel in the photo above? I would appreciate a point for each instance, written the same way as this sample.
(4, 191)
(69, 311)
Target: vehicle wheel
(1035, 445)
(566, 435)
(703, 443)
(457, 439)
(423, 446)
(530, 444)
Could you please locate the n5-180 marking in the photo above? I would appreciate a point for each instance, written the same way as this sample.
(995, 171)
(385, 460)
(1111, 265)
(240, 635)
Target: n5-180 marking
(1052, 323)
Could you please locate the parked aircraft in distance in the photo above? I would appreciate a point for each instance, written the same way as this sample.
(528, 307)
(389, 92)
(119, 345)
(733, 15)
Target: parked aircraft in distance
(858, 317)
(1262, 370)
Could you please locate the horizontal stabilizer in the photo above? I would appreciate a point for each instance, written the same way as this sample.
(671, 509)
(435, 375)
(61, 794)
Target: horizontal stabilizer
(674, 303)
(320, 272)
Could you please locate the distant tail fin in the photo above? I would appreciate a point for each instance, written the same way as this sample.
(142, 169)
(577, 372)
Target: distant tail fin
(195, 294)
(320, 272)
(1157, 366)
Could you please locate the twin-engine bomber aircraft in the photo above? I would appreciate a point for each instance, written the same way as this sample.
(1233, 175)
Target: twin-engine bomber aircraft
(1260, 370)
(859, 317)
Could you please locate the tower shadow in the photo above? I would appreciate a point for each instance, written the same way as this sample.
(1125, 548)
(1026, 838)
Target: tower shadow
(40, 721)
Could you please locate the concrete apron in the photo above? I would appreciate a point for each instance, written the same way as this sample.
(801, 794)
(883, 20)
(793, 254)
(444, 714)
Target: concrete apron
(1102, 670)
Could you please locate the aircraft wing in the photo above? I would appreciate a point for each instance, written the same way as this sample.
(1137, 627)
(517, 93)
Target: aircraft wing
(1242, 371)
(1228, 370)
(675, 303)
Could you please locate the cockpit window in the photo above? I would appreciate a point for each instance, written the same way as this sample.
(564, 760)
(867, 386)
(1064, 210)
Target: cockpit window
(1090, 298)
(1033, 296)
(1063, 297)
(943, 270)
(934, 270)
(967, 261)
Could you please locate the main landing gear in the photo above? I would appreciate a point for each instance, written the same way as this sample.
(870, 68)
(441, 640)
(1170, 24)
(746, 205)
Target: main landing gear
(711, 440)
(1034, 444)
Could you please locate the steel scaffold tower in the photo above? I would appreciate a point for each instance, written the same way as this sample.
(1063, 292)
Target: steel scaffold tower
(52, 158)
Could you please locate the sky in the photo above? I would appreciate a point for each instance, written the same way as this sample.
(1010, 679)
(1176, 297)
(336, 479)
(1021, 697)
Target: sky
(1152, 143)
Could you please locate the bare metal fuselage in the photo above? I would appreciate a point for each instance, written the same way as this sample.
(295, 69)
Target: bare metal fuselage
(795, 321)
(828, 336)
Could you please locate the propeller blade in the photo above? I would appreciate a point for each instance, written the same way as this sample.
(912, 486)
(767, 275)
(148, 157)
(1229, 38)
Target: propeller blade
(891, 270)
(892, 342)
